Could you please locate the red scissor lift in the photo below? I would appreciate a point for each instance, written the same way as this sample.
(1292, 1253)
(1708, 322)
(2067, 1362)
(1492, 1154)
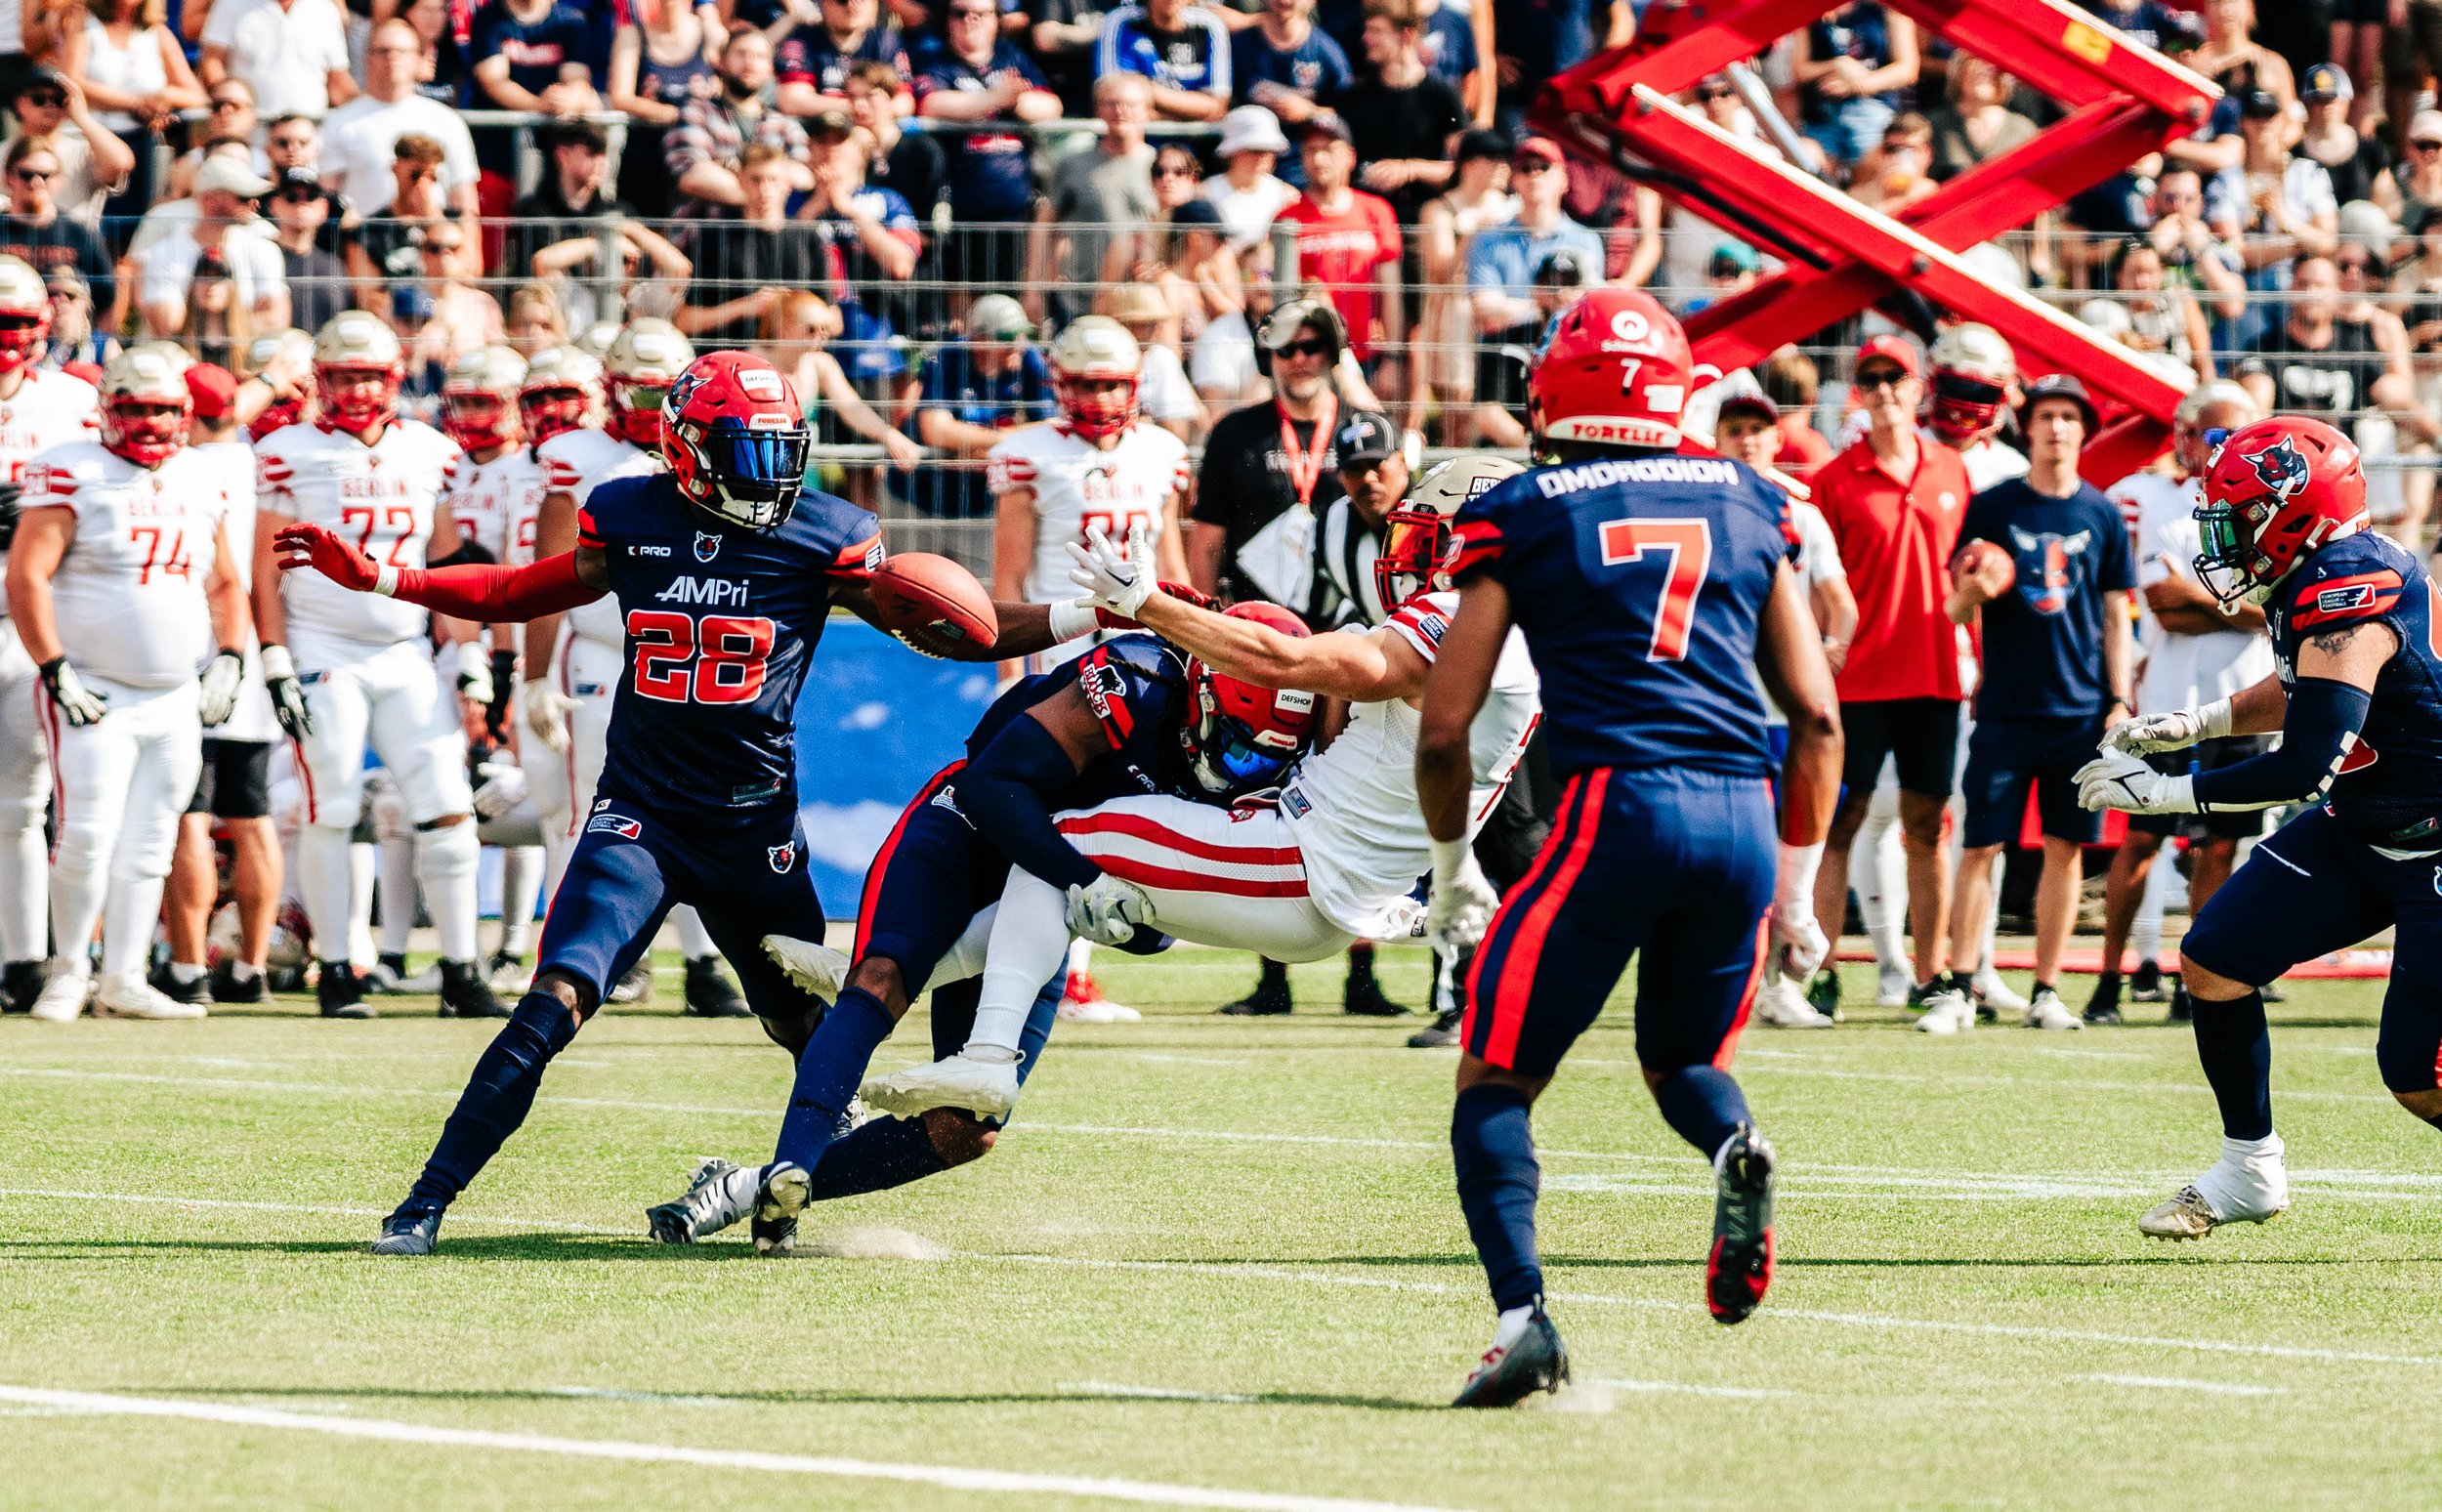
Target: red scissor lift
(2124, 101)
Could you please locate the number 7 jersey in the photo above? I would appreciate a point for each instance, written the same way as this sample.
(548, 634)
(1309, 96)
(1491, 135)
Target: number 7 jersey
(1639, 582)
(379, 499)
(721, 628)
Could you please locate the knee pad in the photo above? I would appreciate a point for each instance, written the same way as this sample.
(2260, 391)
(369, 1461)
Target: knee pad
(448, 850)
(385, 807)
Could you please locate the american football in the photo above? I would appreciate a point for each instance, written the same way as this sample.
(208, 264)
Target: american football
(1975, 557)
(928, 599)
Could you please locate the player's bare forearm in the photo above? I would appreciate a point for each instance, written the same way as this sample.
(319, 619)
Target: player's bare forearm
(271, 615)
(1795, 672)
(2259, 710)
(1455, 689)
(225, 600)
(1361, 668)
(42, 539)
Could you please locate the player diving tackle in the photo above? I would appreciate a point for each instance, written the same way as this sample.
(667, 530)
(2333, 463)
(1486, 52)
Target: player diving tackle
(726, 569)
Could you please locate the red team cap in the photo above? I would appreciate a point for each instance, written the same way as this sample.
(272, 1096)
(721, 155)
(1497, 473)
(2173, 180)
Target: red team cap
(1890, 349)
(1615, 372)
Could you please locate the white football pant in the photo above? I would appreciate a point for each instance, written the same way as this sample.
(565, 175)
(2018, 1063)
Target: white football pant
(24, 790)
(123, 784)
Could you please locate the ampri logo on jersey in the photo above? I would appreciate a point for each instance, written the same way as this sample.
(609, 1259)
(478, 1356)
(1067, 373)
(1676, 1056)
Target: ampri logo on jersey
(782, 857)
(707, 545)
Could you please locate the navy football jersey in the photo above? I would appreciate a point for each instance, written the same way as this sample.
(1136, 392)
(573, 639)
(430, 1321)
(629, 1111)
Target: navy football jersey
(1639, 583)
(1136, 685)
(2389, 790)
(721, 628)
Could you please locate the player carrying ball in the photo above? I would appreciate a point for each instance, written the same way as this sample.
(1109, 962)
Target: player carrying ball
(726, 571)
(2357, 697)
(1648, 585)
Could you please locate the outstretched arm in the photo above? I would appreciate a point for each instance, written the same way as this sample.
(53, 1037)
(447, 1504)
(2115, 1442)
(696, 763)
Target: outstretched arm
(1025, 628)
(482, 592)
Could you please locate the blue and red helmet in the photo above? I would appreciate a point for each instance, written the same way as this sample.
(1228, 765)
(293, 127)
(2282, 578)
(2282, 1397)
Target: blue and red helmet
(735, 441)
(2277, 491)
(1240, 736)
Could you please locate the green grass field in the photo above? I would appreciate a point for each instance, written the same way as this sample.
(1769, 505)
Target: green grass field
(1218, 1260)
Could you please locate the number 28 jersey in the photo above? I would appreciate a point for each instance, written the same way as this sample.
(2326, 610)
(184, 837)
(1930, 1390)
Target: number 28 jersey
(720, 625)
(379, 499)
(1639, 582)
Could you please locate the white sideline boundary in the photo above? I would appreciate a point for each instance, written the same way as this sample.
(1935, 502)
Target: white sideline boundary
(947, 1477)
(1220, 1270)
(2182, 1383)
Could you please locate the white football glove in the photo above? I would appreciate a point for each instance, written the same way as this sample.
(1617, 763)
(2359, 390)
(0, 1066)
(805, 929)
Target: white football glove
(1463, 901)
(503, 789)
(2116, 780)
(2176, 730)
(221, 680)
(474, 673)
(547, 711)
(1108, 911)
(1114, 578)
(812, 965)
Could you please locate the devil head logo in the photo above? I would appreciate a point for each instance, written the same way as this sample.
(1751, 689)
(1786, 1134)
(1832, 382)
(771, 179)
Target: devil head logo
(782, 857)
(2282, 469)
(675, 403)
(2044, 566)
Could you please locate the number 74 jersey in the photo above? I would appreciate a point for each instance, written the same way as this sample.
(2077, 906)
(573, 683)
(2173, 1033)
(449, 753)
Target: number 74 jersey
(378, 498)
(1639, 582)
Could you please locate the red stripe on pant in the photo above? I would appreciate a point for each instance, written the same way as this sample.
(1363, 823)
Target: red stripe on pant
(48, 714)
(1138, 826)
(1563, 827)
(1145, 874)
(568, 728)
(1526, 949)
(1746, 997)
(305, 776)
(873, 873)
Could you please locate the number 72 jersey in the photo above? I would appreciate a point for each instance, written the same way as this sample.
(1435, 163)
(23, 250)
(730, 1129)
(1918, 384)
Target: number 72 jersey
(1639, 582)
(379, 499)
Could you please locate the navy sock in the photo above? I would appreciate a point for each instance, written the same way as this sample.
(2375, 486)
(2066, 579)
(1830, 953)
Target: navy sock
(497, 1098)
(1703, 1104)
(1493, 1149)
(834, 1062)
(876, 1157)
(2236, 1051)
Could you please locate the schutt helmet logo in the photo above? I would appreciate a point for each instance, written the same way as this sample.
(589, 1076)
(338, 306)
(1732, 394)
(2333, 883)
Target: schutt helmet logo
(2280, 468)
(782, 857)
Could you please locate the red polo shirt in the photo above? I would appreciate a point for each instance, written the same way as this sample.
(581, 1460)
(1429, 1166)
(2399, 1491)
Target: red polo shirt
(1896, 543)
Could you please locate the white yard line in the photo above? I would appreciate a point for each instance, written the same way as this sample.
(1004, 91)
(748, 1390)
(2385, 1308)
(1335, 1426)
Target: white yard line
(1692, 1389)
(139, 1199)
(947, 1477)
(2182, 1383)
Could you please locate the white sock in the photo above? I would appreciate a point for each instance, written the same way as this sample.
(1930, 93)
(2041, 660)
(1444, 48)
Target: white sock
(1512, 1326)
(2145, 935)
(1030, 939)
(556, 848)
(25, 912)
(79, 881)
(242, 971)
(131, 910)
(360, 868)
(1993, 917)
(185, 972)
(1877, 872)
(397, 856)
(1080, 957)
(447, 860)
(2247, 1151)
(693, 939)
(325, 881)
(520, 886)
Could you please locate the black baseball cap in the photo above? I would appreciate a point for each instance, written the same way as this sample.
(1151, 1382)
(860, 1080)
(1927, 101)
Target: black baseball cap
(1483, 142)
(1364, 436)
(2259, 104)
(2060, 386)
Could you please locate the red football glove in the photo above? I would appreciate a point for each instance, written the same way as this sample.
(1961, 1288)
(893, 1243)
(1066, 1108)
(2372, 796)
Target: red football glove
(310, 545)
(1179, 591)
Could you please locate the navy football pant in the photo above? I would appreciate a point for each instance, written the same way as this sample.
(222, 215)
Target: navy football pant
(744, 872)
(1673, 868)
(2313, 889)
(927, 883)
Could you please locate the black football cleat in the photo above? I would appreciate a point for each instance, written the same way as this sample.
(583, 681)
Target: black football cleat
(227, 988)
(2146, 984)
(1442, 1032)
(710, 994)
(340, 993)
(2272, 993)
(2182, 1006)
(721, 1193)
(465, 994)
(1536, 1361)
(406, 1233)
(1823, 995)
(20, 983)
(1270, 996)
(785, 1190)
(1364, 997)
(1739, 1270)
(637, 986)
(2104, 1006)
(197, 991)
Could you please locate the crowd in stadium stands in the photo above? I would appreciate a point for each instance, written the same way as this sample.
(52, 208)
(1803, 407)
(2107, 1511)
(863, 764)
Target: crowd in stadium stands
(838, 182)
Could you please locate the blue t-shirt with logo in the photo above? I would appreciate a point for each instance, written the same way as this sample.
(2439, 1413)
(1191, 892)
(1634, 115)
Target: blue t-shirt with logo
(2043, 639)
(1001, 400)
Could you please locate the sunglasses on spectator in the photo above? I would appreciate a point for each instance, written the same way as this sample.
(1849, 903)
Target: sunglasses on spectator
(1305, 348)
(1174, 171)
(299, 196)
(2426, 145)
(45, 99)
(1530, 165)
(973, 13)
(1873, 378)
(2355, 265)
(229, 105)
(1709, 96)
(34, 175)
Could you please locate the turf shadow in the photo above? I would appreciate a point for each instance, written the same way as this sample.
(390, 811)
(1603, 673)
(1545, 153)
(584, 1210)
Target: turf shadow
(679, 1396)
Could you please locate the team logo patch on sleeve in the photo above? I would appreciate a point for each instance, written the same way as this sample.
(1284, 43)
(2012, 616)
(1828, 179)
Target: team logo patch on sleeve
(616, 825)
(782, 857)
(2340, 601)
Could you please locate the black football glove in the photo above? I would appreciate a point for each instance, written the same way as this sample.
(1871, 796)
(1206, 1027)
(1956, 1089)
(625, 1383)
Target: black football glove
(78, 704)
(10, 493)
(288, 699)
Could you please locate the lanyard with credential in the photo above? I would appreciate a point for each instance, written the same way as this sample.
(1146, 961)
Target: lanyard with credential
(1305, 466)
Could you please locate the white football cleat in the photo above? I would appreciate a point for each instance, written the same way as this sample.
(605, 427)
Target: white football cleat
(62, 997)
(987, 1089)
(1782, 1004)
(2247, 1184)
(127, 996)
(1082, 1002)
(1994, 993)
(812, 965)
(2048, 1012)
(1891, 984)
(1947, 1013)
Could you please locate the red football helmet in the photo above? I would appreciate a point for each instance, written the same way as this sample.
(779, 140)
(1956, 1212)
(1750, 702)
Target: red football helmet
(147, 408)
(1973, 369)
(561, 392)
(1096, 350)
(354, 347)
(643, 361)
(2277, 491)
(24, 313)
(736, 440)
(1239, 736)
(479, 399)
(1617, 371)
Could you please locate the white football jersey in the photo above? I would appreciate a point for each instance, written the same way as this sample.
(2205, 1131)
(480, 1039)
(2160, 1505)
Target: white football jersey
(497, 503)
(129, 595)
(1353, 805)
(47, 409)
(573, 462)
(1077, 484)
(378, 498)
